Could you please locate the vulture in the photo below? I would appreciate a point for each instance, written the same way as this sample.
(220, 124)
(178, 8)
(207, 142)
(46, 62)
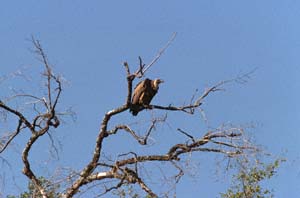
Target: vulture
(143, 94)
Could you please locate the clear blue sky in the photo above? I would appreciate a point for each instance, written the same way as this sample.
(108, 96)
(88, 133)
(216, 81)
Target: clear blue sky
(87, 41)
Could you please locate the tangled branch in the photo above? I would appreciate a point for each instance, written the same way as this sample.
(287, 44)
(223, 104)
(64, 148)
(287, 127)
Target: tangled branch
(41, 123)
(125, 169)
(121, 170)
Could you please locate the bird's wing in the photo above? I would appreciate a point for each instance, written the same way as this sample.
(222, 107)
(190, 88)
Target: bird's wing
(139, 90)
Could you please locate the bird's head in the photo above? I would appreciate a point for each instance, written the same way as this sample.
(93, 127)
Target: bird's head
(156, 82)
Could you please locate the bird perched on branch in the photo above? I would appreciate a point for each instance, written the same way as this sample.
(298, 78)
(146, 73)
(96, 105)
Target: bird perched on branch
(143, 94)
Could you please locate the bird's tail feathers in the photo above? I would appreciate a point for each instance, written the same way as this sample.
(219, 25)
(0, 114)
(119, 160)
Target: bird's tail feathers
(135, 109)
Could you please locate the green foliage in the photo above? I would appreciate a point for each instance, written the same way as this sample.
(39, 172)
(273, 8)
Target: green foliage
(247, 183)
(33, 192)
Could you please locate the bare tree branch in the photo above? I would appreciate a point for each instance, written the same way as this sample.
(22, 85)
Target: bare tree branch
(174, 152)
(160, 53)
(18, 114)
(145, 187)
(180, 173)
(121, 182)
(185, 133)
(141, 140)
(104, 133)
(123, 169)
(3, 147)
(42, 122)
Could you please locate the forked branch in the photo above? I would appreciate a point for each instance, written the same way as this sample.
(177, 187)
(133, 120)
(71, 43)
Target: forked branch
(42, 122)
(126, 168)
(104, 132)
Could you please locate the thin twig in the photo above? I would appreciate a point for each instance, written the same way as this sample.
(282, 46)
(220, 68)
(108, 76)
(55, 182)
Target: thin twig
(12, 136)
(161, 51)
(185, 133)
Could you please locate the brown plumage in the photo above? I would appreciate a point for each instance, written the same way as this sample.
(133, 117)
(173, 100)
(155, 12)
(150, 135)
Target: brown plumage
(143, 94)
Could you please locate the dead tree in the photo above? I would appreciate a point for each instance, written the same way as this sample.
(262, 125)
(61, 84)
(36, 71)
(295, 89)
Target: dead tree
(228, 140)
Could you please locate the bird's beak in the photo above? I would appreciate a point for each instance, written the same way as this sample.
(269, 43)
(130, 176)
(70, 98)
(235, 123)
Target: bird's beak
(161, 81)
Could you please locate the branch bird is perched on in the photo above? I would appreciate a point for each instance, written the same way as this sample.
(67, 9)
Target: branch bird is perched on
(143, 94)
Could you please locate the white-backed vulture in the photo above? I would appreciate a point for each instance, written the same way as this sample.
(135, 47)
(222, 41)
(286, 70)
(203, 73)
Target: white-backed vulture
(143, 94)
